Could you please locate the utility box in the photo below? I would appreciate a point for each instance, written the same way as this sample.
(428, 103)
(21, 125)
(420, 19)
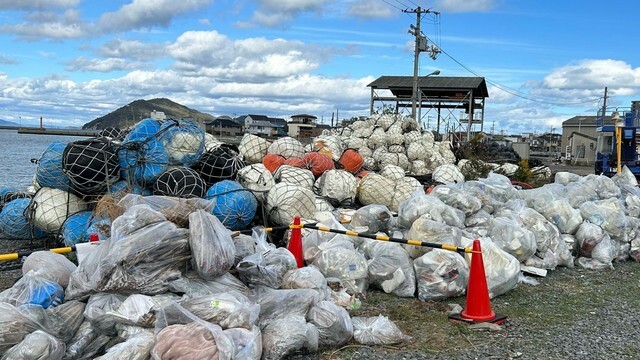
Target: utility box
(522, 148)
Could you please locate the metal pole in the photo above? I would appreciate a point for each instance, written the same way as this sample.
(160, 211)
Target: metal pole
(416, 59)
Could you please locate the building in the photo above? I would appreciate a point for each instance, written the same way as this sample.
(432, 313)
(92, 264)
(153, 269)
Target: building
(158, 115)
(579, 139)
(224, 126)
(302, 126)
(259, 125)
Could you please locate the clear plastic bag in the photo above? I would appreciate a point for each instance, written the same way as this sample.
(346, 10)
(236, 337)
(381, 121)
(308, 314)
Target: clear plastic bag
(33, 289)
(455, 196)
(308, 277)
(287, 335)
(248, 343)
(390, 268)
(347, 265)
(212, 248)
(14, 326)
(426, 205)
(176, 210)
(268, 265)
(61, 321)
(49, 265)
(501, 268)
(511, 236)
(97, 308)
(377, 330)
(181, 335)
(333, 322)
(37, 345)
(139, 310)
(441, 275)
(276, 304)
(608, 214)
(245, 246)
(560, 213)
(374, 218)
(425, 229)
(80, 341)
(588, 236)
(565, 177)
(193, 286)
(229, 309)
(136, 347)
(134, 219)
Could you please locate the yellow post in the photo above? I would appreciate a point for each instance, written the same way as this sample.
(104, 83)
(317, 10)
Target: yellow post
(619, 149)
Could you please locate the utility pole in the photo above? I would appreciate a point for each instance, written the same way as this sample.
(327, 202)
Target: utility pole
(420, 45)
(604, 105)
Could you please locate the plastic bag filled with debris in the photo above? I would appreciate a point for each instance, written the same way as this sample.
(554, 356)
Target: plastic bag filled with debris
(406, 187)
(182, 335)
(588, 236)
(390, 268)
(174, 209)
(372, 219)
(140, 310)
(347, 265)
(430, 206)
(268, 265)
(277, 304)
(229, 309)
(512, 237)
(308, 277)
(603, 185)
(538, 198)
(333, 322)
(313, 240)
(81, 340)
(560, 213)
(565, 177)
(97, 308)
(14, 326)
(137, 347)
(454, 196)
(602, 255)
(35, 290)
(608, 214)
(425, 229)
(212, 248)
(37, 345)
(248, 343)
(501, 268)
(192, 285)
(441, 274)
(49, 265)
(377, 330)
(542, 229)
(376, 189)
(287, 335)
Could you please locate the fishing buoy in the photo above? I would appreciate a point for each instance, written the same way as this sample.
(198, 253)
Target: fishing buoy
(76, 229)
(233, 205)
(285, 201)
(14, 223)
(180, 182)
(51, 207)
(183, 140)
(49, 170)
(219, 164)
(91, 165)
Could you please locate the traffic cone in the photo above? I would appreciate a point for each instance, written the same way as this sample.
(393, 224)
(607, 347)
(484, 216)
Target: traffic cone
(295, 242)
(478, 307)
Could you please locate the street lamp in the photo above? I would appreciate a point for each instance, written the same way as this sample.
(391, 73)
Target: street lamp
(433, 73)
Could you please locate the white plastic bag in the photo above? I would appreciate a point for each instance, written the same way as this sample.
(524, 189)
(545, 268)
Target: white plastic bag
(333, 322)
(377, 330)
(212, 248)
(441, 274)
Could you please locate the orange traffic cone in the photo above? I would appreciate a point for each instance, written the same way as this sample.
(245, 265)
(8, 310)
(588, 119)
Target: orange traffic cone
(295, 242)
(478, 308)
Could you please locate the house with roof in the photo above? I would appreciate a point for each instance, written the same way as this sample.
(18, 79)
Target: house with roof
(579, 139)
(224, 126)
(258, 125)
(302, 125)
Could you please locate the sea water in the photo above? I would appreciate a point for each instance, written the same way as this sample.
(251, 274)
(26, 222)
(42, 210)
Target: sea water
(16, 152)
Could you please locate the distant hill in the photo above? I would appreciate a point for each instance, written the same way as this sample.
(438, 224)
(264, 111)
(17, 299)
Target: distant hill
(141, 109)
(8, 123)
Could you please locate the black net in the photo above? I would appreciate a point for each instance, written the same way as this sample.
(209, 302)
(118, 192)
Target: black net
(180, 182)
(49, 208)
(91, 165)
(220, 164)
(113, 133)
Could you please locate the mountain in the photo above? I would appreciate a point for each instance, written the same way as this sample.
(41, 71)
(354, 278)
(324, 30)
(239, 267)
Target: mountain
(141, 109)
(8, 123)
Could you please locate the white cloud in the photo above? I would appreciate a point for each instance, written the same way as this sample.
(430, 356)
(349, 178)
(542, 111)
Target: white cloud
(589, 74)
(40, 25)
(278, 13)
(464, 5)
(205, 22)
(131, 49)
(210, 54)
(147, 13)
(100, 65)
(368, 9)
(36, 4)
(8, 60)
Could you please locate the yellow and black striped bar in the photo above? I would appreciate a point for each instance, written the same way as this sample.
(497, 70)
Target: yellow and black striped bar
(21, 254)
(391, 239)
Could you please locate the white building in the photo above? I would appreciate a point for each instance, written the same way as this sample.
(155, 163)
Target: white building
(302, 125)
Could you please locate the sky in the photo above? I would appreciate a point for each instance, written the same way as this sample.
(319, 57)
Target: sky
(71, 61)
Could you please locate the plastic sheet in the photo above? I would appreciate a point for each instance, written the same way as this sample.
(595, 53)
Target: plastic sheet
(248, 343)
(333, 322)
(37, 345)
(212, 248)
(390, 268)
(430, 207)
(288, 335)
(441, 275)
(49, 265)
(229, 310)
(183, 336)
(377, 330)
(278, 304)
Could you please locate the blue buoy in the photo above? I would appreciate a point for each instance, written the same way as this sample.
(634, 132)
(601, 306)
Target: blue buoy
(233, 205)
(14, 223)
(77, 228)
(49, 170)
(123, 187)
(144, 130)
(183, 141)
(142, 163)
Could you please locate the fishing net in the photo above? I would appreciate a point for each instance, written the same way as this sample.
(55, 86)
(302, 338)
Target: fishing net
(296, 176)
(351, 160)
(405, 188)
(419, 167)
(112, 133)
(447, 174)
(318, 163)
(411, 137)
(233, 205)
(369, 163)
(377, 138)
(253, 148)
(91, 165)
(219, 164)
(400, 160)
(14, 223)
(183, 140)
(273, 161)
(49, 169)
(142, 162)
(392, 172)
(256, 178)
(144, 130)
(210, 142)
(295, 161)
(180, 182)
(376, 189)
(330, 145)
(123, 187)
(338, 187)
(416, 151)
(49, 208)
(77, 228)
(8, 194)
(284, 201)
(287, 147)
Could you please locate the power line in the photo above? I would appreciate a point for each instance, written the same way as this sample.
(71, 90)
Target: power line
(392, 5)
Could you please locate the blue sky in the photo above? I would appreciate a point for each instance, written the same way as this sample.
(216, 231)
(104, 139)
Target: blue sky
(71, 61)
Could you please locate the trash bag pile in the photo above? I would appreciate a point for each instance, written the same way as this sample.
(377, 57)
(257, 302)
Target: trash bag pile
(171, 270)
